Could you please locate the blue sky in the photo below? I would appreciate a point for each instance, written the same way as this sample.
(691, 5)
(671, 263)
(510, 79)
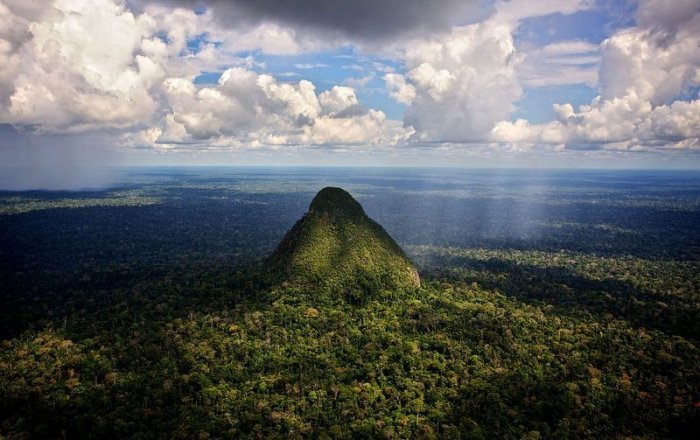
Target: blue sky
(473, 83)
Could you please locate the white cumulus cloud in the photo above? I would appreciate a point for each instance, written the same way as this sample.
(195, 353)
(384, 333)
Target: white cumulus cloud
(246, 108)
(399, 89)
(644, 71)
(93, 65)
(460, 85)
(68, 80)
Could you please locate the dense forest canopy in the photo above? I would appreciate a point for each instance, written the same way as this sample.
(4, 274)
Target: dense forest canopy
(552, 305)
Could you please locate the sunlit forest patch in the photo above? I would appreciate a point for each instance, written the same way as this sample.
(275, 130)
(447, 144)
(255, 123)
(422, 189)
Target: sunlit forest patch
(21, 205)
(659, 294)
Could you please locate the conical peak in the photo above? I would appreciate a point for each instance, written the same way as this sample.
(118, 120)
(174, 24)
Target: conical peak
(335, 245)
(335, 201)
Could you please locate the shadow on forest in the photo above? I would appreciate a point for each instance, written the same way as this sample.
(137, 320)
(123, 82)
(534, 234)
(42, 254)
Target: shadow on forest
(108, 297)
(570, 292)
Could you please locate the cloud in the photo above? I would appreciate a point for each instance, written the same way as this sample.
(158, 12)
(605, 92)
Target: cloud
(513, 11)
(644, 71)
(305, 66)
(270, 38)
(399, 89)
(665, 15)
(14, 32)
(628, 122)
(459, 81)
(138, 77)
(62, 78)
(460, 85)
(365, 21)
(652, 63)
(560, 63)
(359, 83)
(246, 108)
(56, 76)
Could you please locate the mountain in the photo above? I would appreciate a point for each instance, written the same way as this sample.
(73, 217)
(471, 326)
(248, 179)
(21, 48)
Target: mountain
(337, 247)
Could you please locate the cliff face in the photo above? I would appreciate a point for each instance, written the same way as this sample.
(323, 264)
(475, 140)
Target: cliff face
(336, 245)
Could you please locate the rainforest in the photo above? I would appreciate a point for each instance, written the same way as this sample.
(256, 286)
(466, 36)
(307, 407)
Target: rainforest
(411, 303)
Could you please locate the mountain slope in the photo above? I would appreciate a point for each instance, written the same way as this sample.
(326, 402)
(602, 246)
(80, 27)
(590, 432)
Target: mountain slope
(336, 246)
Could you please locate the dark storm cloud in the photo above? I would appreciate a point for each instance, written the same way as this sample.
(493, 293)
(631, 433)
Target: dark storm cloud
(365, 20)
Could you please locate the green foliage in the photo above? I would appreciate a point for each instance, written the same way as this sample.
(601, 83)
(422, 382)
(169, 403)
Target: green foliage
(450, 360)
(21, 205)
(653, 293)
(336, 248)
(153, 322)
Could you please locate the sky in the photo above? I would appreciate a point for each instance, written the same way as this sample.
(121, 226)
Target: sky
(536, 83)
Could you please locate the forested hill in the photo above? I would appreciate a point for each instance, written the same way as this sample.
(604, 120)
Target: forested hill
(336, 247)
